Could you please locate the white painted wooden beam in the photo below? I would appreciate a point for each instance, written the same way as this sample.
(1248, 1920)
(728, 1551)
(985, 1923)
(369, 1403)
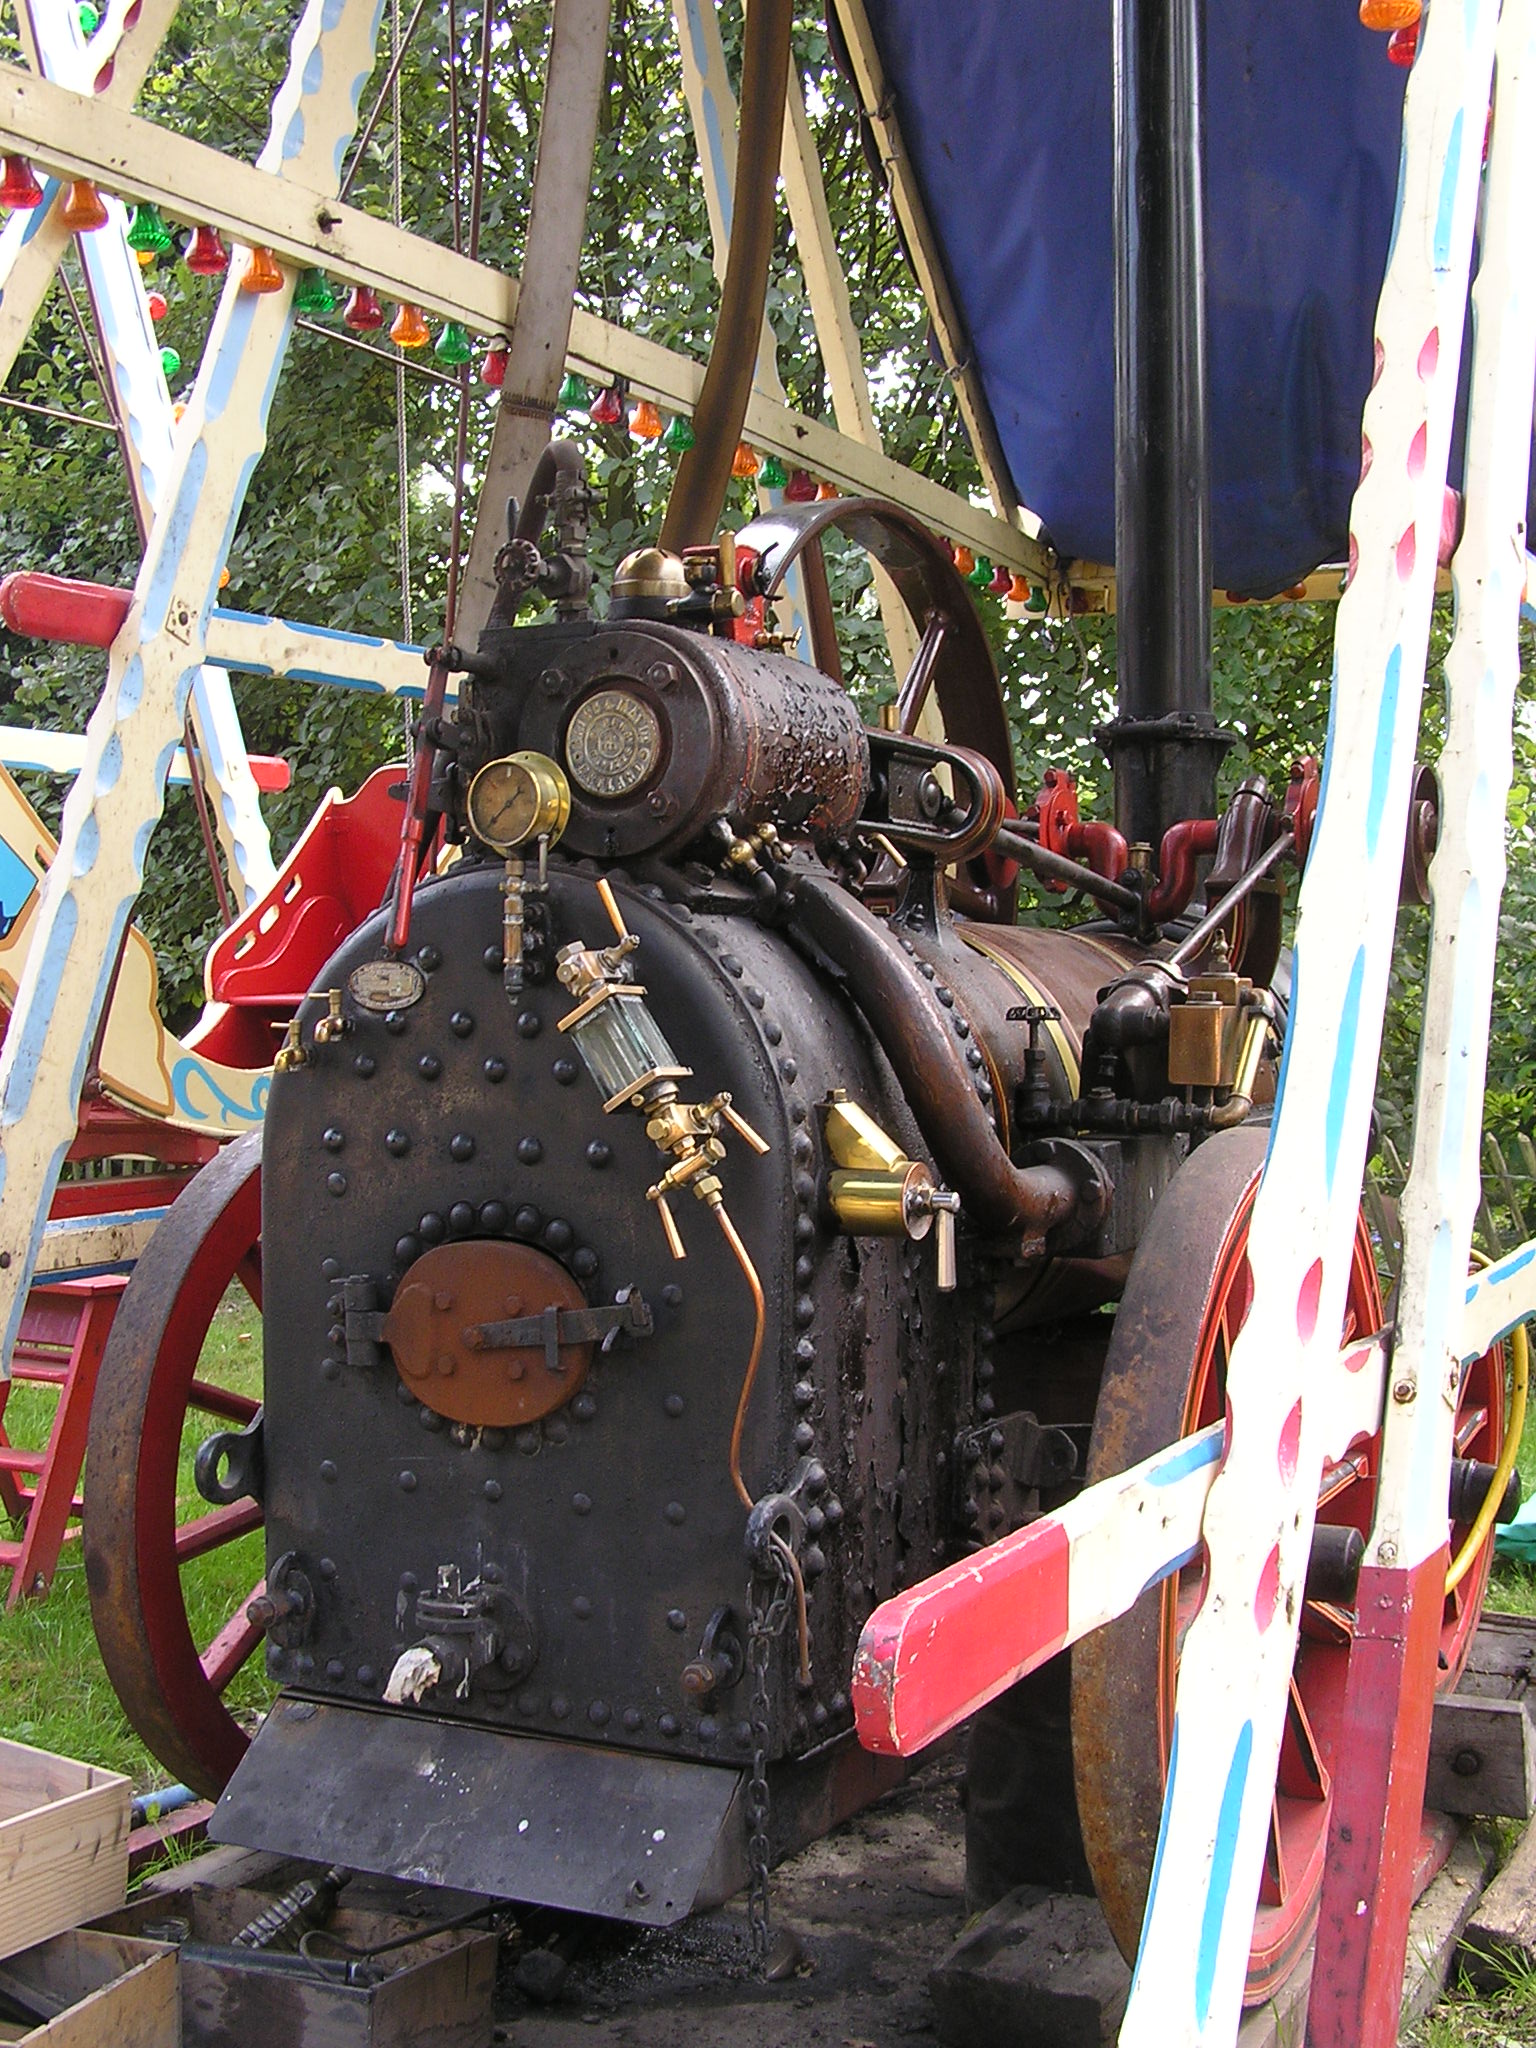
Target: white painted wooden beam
(87, 896)
(304, 226)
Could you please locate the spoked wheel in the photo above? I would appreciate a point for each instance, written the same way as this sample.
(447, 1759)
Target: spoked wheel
(1165, 1376)
(145, 1528)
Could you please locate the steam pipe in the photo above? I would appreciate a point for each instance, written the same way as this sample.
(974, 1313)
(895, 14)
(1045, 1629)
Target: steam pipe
(919, 1041)
(704, 474)
(1183, 844)
(1164, 743)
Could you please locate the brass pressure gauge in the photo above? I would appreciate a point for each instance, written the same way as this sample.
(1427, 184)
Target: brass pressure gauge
(517, 799)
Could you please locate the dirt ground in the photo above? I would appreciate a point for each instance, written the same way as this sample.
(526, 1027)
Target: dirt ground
(873, 1908)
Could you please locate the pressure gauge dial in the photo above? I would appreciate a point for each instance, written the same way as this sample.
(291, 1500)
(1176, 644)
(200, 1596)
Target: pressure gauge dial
(518, 799)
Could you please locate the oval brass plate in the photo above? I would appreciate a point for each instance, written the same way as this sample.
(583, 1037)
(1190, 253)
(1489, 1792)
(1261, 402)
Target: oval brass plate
(381, 985)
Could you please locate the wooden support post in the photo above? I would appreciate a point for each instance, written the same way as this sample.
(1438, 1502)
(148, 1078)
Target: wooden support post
(1402, 1586)
(541, 327)
(86, 899)
(832, 315)
(1237, 1656)
(137, 394)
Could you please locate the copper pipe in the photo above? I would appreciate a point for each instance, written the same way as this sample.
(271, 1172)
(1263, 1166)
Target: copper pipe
(918, 1039)
(704, 474)
(749, 1378)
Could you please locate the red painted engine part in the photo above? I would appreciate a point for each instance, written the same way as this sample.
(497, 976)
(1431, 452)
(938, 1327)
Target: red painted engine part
(1183, 844)
(1099, 846)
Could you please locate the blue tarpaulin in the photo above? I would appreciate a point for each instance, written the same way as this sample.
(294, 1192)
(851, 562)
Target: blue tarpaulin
(1007, 112)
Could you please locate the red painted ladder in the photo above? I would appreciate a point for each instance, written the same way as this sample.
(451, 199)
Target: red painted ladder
(63, 1334)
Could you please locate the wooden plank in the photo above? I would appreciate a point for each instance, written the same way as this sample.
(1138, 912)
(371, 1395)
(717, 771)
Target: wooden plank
(63, 1844)
(116, 1992)
(1501, 1931)
(1439, 1918)
(1502, 1661)
(1482, 1758)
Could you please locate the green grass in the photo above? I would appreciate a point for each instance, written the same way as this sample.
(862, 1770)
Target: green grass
(57, 1695)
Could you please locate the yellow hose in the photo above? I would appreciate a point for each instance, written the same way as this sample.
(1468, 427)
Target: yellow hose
(1520, 1375)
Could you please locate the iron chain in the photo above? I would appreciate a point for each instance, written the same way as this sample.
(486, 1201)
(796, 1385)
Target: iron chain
(768, 1616)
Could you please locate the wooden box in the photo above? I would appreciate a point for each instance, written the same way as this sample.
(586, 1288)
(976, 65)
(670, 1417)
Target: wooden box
(437, 1993)
(94, 1990)
(63, 1844)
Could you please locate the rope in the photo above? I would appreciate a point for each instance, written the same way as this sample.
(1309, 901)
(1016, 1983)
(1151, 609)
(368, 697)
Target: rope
(402, 447)
(476, 205)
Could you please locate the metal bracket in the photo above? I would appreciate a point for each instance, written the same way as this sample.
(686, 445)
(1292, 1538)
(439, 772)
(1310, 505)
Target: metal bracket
(556, 1326)
(231, 1465)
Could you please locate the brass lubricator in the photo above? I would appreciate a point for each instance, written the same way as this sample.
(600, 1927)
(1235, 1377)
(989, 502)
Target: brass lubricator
(624, 1051)
(626, 1054)
(877, 1191)
(515, 801)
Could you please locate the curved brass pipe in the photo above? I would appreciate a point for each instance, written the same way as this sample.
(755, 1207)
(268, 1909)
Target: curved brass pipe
(704, 474)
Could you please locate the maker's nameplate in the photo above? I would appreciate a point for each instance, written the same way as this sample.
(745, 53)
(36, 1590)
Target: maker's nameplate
(381, 985)
(613, 743)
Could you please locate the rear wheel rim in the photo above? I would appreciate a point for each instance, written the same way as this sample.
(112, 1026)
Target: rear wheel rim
(1186, 1298)
(171, 1685)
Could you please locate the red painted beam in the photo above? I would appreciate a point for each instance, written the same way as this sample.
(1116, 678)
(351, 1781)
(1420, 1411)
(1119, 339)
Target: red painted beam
(62, 608)
(929, 1657)
(1378, 1801)
(79, 614)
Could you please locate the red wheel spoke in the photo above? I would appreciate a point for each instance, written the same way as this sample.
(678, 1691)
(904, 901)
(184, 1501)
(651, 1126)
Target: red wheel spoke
(1469, 1425)
(248, 1273)
(212, 1400)
(1303, 1774)
(222, 1525)
(233, 1643)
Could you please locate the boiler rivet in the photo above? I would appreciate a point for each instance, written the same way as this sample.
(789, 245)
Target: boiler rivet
(461, 1146)
(407, 1482)
(529, 1151)
(529, 1024)
(333, 1140)
(494, 1070)
(397, 1142)
(461, 1023)
(336, 1183)
(429, 1066)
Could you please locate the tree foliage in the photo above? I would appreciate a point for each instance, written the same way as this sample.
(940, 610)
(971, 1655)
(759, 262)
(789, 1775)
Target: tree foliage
(320, 539)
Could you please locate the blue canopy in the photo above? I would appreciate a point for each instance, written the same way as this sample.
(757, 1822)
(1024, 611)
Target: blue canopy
(1007, 112)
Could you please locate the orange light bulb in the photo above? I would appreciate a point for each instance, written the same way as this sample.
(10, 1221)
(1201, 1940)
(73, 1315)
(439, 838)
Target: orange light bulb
(409, 329)
(263, 273)
(84, 209)
(1386, 15)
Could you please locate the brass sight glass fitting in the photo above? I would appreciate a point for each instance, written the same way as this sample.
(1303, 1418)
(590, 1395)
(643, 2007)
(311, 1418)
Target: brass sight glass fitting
(626, 1054)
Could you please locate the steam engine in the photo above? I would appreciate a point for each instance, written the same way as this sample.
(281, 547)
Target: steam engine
(697, 1231)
